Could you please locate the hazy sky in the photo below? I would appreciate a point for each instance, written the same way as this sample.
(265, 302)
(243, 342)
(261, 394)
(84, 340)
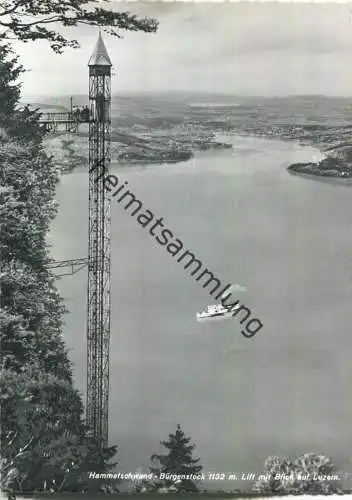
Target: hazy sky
(238, 48)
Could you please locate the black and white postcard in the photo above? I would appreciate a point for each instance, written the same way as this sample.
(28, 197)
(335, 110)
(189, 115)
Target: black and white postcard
(176, 249)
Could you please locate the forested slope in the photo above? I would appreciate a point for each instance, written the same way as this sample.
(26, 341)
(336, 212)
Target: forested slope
(43, 440)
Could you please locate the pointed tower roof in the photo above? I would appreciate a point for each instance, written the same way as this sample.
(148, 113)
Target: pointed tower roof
(100, 55)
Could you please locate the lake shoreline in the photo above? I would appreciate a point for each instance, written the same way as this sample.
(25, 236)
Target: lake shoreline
(336, 181)
(312, 168)
(221, 137)
(251, 232)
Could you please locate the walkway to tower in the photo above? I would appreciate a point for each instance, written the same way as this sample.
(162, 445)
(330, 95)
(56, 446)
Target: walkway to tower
(67, 121)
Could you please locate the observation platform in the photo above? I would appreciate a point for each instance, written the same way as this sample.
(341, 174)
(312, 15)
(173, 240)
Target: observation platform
(64, 121)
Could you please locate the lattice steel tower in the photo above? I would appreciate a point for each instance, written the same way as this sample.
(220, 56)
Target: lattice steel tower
(99, 245)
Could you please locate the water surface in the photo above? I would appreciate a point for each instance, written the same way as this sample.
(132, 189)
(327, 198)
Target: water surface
(288, 240)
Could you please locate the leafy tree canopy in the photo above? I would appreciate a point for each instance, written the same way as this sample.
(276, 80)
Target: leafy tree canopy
(31, 308)
(33, 399)
(30, 20)
(37, 410)
(41, 411)
(310, 473)
(44, 442)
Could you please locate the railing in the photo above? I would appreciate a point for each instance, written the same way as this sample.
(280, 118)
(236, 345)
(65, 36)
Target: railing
(58, 117)
(65, 117)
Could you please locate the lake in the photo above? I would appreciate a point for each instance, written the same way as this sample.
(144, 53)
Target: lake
(288, 390)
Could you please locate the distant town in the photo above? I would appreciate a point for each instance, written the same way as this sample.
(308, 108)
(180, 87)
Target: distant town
(167, 130)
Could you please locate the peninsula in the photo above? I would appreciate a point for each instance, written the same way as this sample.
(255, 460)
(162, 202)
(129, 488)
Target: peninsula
(171, 128)
(333, 141)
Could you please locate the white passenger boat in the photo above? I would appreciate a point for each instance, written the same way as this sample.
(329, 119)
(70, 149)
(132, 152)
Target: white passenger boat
(216, 311)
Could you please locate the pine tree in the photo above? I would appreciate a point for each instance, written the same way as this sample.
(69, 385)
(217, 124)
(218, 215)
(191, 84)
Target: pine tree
(20, 122)
(178, 461)
(10, 89)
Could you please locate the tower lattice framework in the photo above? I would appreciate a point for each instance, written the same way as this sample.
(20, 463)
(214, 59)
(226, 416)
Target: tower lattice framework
(99, 245)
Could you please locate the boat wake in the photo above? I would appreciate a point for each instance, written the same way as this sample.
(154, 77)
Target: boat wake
(235, 288)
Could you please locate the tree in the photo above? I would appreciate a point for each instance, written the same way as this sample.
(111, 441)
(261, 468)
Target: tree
(269, 482)
(38, 401)
(310, 473)
(10, 91)
(44, 443)
(33, 400)
(21, 124)
(37, 409)
(72, 458)
(41, 410)
(178, 462)
(31, 307)
(9, 470)
(30, 20)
